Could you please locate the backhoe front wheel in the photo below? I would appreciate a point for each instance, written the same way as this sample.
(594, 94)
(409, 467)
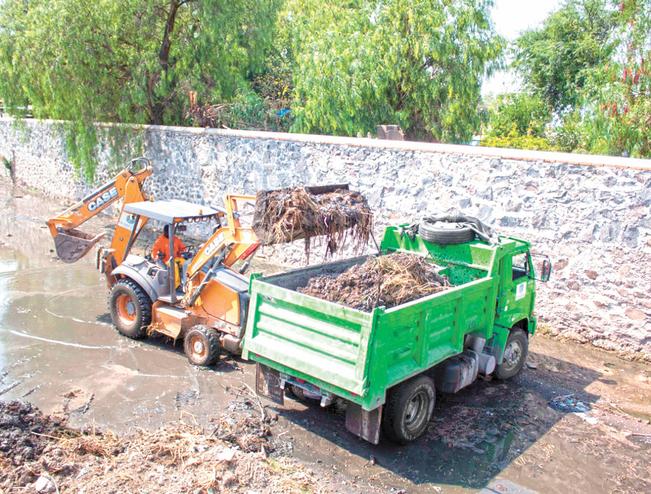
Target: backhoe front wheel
(130, 308)
(515, 354)
(408, 409)
(201, 345)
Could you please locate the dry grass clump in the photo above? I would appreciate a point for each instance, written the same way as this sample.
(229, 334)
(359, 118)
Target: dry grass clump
(285, 215)
(387, 281)
(230, 456)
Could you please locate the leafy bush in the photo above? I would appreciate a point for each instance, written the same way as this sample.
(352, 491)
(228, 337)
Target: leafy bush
(518, 114)
(518, 142)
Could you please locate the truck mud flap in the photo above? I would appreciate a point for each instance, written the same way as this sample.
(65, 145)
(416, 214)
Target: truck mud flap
(267, 384)
(363, 423)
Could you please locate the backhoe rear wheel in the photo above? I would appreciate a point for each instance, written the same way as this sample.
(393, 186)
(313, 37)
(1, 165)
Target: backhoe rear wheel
(130, 308)
(201, 345)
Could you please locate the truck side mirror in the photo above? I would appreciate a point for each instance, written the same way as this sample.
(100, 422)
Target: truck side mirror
(542, 267)
(546, 270)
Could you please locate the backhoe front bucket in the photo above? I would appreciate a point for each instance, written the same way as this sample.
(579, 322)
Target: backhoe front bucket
(72, 245)
(293, 213)
(326, 189)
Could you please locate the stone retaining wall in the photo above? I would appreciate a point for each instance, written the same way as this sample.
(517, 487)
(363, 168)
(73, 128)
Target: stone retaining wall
(591, 214)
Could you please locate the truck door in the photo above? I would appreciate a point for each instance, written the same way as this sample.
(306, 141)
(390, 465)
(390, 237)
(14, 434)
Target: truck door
(517, 294)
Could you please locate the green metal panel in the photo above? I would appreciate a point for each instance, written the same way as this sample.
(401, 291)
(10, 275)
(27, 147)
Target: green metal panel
(325, 340)
(357, 353)
(418, 335)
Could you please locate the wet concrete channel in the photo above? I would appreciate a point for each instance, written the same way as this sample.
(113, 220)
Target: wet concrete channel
(576, 419)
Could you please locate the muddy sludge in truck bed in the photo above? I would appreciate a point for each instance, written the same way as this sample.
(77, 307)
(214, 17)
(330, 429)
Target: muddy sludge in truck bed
(388, 280)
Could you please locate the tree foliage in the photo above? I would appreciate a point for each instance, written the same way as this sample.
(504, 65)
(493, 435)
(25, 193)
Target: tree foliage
(589, 62)
(418, 64)
(556, 60)
(127, 60)
(520, 114)
(618, 100)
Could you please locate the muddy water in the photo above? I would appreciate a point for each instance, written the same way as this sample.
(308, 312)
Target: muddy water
(576, 420)
(59, 350)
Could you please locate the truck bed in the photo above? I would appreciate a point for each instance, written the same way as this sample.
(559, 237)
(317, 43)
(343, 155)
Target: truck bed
(356, 354)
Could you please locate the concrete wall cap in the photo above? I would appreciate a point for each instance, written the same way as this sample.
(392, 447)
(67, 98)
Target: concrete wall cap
(428, 147)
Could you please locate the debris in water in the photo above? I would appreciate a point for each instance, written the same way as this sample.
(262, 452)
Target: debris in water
(285, 215)
(388, 280)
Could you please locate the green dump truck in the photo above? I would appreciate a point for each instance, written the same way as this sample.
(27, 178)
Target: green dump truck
(388, 364)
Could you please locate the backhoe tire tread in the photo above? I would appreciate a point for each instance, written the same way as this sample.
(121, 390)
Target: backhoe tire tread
(142, 304)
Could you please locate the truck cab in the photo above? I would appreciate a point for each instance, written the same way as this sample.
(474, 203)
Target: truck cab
(517, 271)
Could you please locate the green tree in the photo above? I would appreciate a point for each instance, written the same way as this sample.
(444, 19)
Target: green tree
(360, 63)
(518, 113)
(589, 62)
(127, 60)
(556, 60)
(617, 115)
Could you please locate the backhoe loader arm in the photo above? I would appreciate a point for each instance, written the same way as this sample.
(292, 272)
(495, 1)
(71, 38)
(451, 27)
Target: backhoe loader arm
(72, 244)
(233, 240)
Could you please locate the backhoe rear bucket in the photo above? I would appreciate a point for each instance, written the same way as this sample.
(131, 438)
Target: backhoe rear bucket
(72, 245)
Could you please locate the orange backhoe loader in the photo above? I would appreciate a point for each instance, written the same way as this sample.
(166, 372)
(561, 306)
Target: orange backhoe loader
(200, 299)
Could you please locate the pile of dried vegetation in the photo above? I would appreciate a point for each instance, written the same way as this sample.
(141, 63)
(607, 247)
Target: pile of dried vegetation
(285, 215)
(388, 281)
(236, 454)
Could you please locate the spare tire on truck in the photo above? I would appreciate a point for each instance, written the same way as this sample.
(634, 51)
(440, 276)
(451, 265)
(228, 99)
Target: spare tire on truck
(454, 228)
(445, 232)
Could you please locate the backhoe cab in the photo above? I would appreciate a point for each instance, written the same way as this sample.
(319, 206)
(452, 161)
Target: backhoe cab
(200, 299)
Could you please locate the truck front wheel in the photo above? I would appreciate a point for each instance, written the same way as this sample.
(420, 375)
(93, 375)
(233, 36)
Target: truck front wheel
(515, 354)
(408, 409)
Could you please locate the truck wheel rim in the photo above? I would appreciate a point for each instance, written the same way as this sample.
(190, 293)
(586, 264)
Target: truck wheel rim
(416, 410)
(512, 354)
(126, 309)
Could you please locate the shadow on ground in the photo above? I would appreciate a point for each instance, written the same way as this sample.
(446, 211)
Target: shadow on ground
(473, 434)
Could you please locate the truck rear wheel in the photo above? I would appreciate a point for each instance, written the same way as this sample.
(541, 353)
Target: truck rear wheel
(515, 354)
(408, 409)
(201, 345)
(130, 308)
